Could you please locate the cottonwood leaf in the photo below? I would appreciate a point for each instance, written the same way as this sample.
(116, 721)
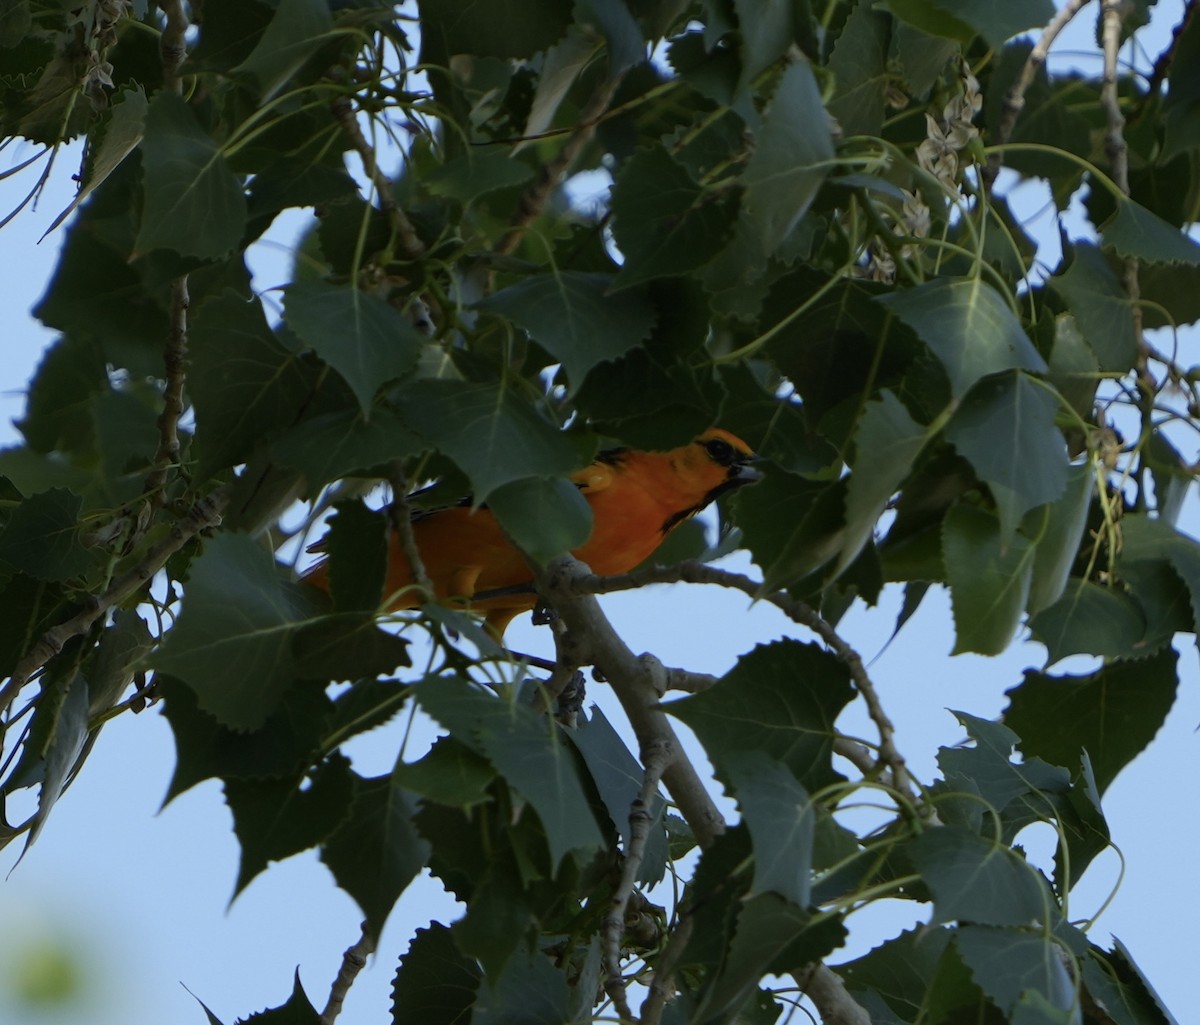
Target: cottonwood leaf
(435, 983)
(41, 536)
(193, 203)
(356, 545)
(472, 175)
(977, 879)
(364, 339)
(494, 436)
(968, 327)
(545, 516)
(297, 1011)
(575, 319)
(1058, 530)
(1134, 231)
(1008, 963)
(492, 28)
(1005, 429)
(232, 642)
(859, 63)
(791, 157)
(339, 444)
(1100, 305)
(1090, 620)
(296, 31)
(376, 852)
(450, 773)
(1112, 714)
(756, 706)
(989, 579)
(900, 970)
(530, 990)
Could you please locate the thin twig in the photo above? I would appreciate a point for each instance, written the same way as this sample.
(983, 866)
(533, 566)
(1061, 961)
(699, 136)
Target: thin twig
(400, 515)
(797, 611)
(1014, 99)
(410, 243)
(551, 174)
(353, 962)
(175, 364)
(655, 760)
(172, 46)
(662, 985)
(204, 514)
(825, 988)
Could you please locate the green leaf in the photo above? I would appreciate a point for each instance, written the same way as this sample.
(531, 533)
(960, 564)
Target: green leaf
(450, 773)
(545, 516)
(41, 536)
(766, 30)
(494, 436)
(528, 751)
(1074, 370)
(1094, 295)
(472, 175)
(495, 28)
(58, 404)
(1146, 540)
(859, 63)
(575, 319)
(756, 706)
(274, 819)
(1133, 231)
(376, 852)
(245, 384)
(663, 221)
(886, 445)
(792, 155)
(435, 984)
(363, 338)
(1007, 963)
(779, 814)
(979, 880)
(232, 642)
(968, 327)
(204, 748)
(961, 19)
(194, 204)
(989, 580)
(357, 547)
(1091, 620)
(1112, 714)
(900, 970)
(498, 918)
(1058, 534)
(531, 990)
(121, 137)
(337, 444)
(120, 648)
(618, 777)
(297, 1011)
(296, 31)
(1115, 981)
(1005, 429)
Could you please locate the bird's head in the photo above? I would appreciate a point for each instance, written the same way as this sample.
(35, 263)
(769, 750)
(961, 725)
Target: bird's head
(714, 463)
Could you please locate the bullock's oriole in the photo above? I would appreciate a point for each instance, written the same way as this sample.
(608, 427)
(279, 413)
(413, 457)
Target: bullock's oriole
(637, 499)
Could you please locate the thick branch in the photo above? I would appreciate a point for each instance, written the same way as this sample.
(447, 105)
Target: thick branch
(175, 365)
(172, 46)
(633, 681)
(824, 987)
(204, 514)
(410, 244)
(353, 962)
(1014, 99)
(400, 516)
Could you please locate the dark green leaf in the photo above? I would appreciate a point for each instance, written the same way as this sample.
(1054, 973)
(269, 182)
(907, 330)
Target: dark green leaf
(663, 221)
(274, 819)
(529, 991)
(336, 444)
(1074, 369)
(968, 327)
(346, 646)
(245, 384)
(757, 707)
(859, 65)
(496, 28)
(472, 174)
(451, 773)
(1134, 231)
(297, 1011)
(779, 814)
(574, 318)
(1100, 305)
(194, 204)
(900, 970)
(356, 545)
(120, 649)
(1116, 982)
(498, 919)
(1005, 429)
(232, 642)
(58, 405)
(376, 851)
(979, 880)
(494, 436)
(1112, 714)
(1058, 531)
(435, 984)
(1007, 963)
(363, 338)
(295, 32)
(996, 23)
(40, 538)
(989, 580)
(791, 157)
(1091, 620)
(528, 751)
(545, 516)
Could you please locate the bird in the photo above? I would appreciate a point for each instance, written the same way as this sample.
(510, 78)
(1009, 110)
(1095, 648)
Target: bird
(637, 499)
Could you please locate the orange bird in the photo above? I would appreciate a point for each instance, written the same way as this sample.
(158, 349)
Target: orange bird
(637, 499)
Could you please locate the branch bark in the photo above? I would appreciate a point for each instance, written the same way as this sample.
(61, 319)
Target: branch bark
(353, 962)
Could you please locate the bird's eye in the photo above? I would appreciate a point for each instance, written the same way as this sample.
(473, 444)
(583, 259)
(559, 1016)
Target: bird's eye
(721, 452)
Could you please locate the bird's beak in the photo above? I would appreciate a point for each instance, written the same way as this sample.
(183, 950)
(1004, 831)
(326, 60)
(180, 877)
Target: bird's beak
(747, 472)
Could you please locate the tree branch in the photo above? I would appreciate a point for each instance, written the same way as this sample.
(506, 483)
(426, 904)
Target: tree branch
(400, 516)
(204, 514)
(410, 243)
(798, 612)
(1014, 99)
(655, 760)
(353, 962)
(824, 987)
(172, 46)
(175, 364)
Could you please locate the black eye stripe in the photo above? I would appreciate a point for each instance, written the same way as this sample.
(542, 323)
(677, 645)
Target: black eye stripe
(721, 452)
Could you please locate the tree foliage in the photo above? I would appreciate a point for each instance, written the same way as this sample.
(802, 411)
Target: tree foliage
(809, 241)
